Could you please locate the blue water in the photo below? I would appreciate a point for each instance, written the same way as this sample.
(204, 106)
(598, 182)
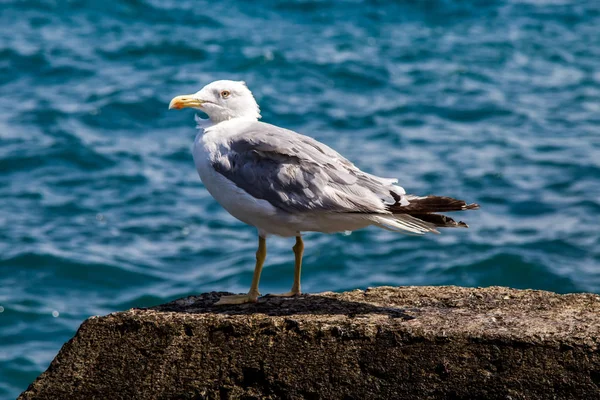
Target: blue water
(101, 209)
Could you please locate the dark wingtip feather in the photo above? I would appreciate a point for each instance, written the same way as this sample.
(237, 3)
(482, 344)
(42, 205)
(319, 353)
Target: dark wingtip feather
(429, 204)
(441, 221)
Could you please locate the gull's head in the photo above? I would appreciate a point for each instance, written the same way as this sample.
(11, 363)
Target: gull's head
(221, 101)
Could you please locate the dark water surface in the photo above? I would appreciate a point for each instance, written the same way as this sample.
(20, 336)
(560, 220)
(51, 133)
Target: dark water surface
(496, 102)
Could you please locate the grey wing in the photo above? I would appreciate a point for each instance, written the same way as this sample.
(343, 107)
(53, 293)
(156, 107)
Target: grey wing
(296, 173)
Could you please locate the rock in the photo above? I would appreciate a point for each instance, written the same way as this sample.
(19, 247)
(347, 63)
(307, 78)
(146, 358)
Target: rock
(393, 343)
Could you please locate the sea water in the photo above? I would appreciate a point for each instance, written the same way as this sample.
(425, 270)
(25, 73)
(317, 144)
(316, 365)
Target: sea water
(101, 209)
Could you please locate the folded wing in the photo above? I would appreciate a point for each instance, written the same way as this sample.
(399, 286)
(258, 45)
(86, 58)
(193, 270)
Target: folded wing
(296, 173)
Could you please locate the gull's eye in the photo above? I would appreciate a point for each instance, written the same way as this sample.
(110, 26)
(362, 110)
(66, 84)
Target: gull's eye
(225, 94)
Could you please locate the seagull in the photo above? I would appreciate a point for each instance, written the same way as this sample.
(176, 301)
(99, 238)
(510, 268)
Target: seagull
(284, 183)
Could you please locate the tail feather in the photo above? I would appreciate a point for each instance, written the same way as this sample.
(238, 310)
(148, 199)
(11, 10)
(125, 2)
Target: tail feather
(424, 209)
(403, 223)
(441, 221)
(429, 204)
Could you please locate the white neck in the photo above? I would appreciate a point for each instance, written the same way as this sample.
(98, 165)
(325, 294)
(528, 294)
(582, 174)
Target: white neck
(205, 123)
(217, 117)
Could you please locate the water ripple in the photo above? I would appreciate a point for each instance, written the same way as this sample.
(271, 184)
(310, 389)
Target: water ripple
(496, 102)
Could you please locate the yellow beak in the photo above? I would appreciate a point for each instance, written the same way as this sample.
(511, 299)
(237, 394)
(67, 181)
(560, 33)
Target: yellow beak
(185, 101)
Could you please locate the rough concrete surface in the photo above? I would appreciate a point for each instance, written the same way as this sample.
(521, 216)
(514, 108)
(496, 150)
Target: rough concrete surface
(386, 342)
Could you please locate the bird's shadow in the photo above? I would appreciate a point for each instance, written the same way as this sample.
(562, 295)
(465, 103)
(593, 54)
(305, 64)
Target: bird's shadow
(281, 306)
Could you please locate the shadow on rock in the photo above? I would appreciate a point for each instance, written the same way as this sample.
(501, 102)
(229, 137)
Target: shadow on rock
(279, 306)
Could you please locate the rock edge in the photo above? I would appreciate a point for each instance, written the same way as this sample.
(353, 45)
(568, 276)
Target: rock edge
(386, 342)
